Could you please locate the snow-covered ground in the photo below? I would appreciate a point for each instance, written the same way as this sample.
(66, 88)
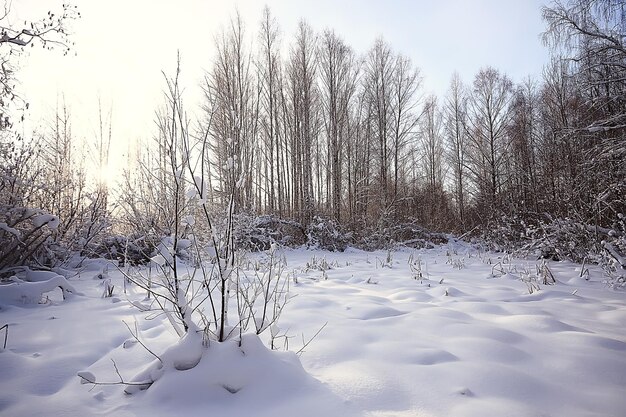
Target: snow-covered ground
(465, 340)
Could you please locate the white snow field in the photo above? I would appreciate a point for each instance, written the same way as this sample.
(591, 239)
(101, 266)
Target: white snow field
(465, 340)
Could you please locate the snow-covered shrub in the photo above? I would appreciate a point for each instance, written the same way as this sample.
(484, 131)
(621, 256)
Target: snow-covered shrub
(559, 239)
(47, 210)
(506, 233)
(259, 233)
(26, 235)
(414, 236)
(406, 234)
(197, 277)
(245, 368)
(326, 234)
(544, 237)
(134, 249)
(31, 287)
(614, 255)
(23, 233)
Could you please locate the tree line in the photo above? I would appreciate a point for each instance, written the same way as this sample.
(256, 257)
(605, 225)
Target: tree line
(316, 129)
(304, 128)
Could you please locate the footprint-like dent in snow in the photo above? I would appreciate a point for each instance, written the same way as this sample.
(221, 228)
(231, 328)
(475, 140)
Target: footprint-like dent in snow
(435, 312)
(432, 357)
(537, 323)
(464, 391)
(410, 295)
(361, 312)
(483, 331)
(486, 308)
(473, 349)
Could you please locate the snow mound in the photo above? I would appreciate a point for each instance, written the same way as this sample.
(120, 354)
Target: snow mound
(46, 219)
(230, 375)
(21, 292)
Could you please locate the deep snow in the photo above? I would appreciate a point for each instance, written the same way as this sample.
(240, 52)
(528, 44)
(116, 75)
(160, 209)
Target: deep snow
(465, 340)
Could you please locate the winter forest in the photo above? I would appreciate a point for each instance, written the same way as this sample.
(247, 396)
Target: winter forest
(321, 235)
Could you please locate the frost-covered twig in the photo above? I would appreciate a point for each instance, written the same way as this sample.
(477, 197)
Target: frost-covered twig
(136, 337)
(299, 352)
(89, 378)
(6, 335)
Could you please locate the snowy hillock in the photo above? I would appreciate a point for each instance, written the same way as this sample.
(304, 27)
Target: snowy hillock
(30, 287)
(243, 377)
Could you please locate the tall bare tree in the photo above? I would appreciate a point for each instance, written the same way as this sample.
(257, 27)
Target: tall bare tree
(270, 79)
(489, 117)
(404, 104)
(231, 91)
(338, 85)
(302, 118)
(378, 84)
(455, 129)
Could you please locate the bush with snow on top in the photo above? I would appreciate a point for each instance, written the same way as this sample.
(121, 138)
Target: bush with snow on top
(19, 292)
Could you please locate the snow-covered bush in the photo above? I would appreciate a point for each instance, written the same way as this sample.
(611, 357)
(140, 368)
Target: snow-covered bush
(546, 237)
(259, 233)
(326, 234)
(559, 239)
(614, 255)
(47, 210)
(406, 234)
(20, 235)
(134, 249)
(543, 237)
(29, 287)
(197, 278)
(506, 233)
(26, 235)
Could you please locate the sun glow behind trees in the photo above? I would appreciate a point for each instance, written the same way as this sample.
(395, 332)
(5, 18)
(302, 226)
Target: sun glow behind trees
(122, 48)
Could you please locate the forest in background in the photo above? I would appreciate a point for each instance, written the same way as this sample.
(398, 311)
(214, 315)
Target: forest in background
(304, 141)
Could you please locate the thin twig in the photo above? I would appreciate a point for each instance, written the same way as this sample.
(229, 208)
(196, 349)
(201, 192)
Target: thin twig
(310, 340)
(135, 336)
(6, 334)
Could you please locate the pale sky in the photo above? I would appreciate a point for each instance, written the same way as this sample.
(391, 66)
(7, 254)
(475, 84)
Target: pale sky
(123, 45)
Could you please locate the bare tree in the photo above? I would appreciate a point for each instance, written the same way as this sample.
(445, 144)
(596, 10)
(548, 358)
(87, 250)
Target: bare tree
(404, 103)
(338, 85)
(435, 207)
(233, 97)
(489, 117)
(378, 81)
(302, 120)
(524, 131)
(49, 32)
(270, 78)
(432, 143)
(455, 127)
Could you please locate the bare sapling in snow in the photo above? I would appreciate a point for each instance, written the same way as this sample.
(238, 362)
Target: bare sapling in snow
(196, 274)
(415, 265)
